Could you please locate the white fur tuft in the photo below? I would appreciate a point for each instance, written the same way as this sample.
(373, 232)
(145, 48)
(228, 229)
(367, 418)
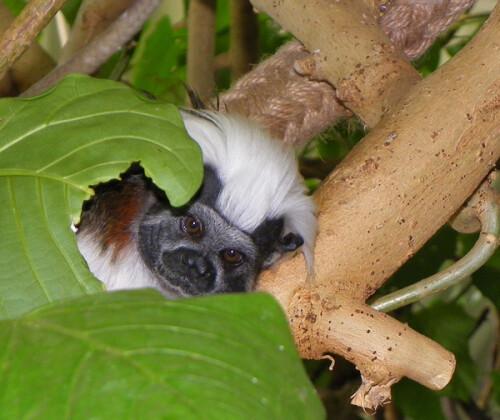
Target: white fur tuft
(118, 271)
(259, 174)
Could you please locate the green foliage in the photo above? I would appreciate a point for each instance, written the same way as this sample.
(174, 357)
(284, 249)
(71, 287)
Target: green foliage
(15, 6)
(426, 262)
(135, 355)
(430, 60)
(417, 402)
(338, 141)
(54, 146)
(495, 375)
(487, 279)
(271, 35)
(160, 61)
(70, 9)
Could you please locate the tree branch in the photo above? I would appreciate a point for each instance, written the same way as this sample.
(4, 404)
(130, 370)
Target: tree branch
(390, 194)
(201, 48)
(244, 47)
(350, 51)
(23, 32)
(101, 47)
(93, 17)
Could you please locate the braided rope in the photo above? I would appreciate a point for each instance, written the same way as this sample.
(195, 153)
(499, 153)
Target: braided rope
(413, 25)
(290, 106)
(294, 108)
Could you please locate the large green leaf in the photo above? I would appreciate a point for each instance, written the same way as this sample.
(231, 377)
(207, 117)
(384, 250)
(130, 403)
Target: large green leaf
(134, 355)
(52, 148)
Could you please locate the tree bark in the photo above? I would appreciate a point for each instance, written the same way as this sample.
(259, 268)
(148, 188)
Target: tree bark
(30, 67)
(93, 17)
(244, 48)
(18, 37)
(405, 179)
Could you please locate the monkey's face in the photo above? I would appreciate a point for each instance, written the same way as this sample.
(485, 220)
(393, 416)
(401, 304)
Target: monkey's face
(197, 252)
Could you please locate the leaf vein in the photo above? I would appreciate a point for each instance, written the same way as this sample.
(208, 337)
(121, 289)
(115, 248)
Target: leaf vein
(45, 218)
(22, 238)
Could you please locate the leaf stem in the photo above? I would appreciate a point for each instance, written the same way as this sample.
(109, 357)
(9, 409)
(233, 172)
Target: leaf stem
(485, 205)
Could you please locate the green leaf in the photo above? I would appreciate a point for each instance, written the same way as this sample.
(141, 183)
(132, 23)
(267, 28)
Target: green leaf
(271, 35)
(158, 72)
(429, 62)
(417, 402)
(131, 355)
(495, 375)
(52, 148)
(15, 6)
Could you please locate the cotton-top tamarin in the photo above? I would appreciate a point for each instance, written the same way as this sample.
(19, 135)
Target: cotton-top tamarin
(250, 211)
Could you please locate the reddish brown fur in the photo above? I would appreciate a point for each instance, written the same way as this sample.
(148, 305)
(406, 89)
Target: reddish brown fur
(113, 211)
(123, 208)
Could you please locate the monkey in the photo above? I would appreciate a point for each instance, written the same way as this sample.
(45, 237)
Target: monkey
(251, 211)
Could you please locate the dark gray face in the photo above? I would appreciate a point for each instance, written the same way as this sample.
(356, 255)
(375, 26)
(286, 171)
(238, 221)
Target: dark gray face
(197, 252)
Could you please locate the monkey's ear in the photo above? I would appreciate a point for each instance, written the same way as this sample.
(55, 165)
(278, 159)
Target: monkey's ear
(288, 243)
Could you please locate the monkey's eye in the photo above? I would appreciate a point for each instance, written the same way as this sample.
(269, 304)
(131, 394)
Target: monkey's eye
(232, 257)
(191, 226)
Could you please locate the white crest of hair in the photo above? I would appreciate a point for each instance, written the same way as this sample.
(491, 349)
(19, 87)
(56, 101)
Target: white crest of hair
(259, 175)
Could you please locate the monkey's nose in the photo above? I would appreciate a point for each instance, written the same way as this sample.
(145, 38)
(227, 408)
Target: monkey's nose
(196, 263)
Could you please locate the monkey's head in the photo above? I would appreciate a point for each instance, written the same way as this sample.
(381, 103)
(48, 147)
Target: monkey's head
(250, 211)
(196, 251)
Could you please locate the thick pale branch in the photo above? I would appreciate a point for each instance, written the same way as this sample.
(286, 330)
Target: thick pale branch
(295, 108)
(349, 50)
(382, 348)
(389, 196)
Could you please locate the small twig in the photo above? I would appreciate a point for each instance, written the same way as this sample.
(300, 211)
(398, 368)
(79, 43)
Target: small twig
(201, 48)
(92, 19)
(24, 30)
(101, 47)
(32, 65)
(244, 37)
(485, 205)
